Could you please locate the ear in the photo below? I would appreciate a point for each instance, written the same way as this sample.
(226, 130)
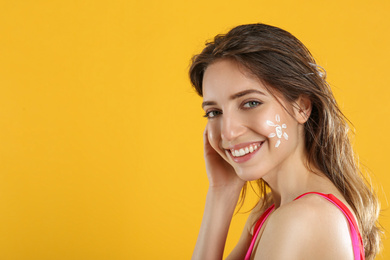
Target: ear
(302, 109)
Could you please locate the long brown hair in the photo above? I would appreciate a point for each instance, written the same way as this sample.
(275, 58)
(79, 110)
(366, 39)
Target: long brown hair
(285, 65)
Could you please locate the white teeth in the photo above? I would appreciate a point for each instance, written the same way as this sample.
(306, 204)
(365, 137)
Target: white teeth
(244, 151)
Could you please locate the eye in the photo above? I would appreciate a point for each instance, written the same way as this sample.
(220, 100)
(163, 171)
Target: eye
(212, 114)
(251, 104)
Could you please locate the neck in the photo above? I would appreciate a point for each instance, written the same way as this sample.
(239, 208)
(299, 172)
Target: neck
(293, 178)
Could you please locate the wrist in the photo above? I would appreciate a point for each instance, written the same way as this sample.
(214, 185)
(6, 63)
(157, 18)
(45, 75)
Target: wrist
(230, 193)
(234, 187)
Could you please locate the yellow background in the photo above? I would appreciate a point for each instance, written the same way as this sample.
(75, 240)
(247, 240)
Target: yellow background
(101, 133)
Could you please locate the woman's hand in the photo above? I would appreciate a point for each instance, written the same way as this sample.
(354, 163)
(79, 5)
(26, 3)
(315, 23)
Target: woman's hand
(219, 172)
(221, 200)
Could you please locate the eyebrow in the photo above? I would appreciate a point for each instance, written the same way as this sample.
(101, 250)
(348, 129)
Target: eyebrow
(235, 96)
(246, 92)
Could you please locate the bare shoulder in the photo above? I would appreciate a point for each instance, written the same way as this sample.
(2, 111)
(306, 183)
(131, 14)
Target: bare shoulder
(308, 228)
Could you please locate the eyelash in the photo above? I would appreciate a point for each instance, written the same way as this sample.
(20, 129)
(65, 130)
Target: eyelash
(252, 101)
(207, 115)
(257, 103)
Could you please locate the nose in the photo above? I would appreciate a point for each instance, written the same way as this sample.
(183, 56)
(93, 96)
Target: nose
(231, 127)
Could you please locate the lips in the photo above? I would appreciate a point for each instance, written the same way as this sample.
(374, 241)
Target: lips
(243, 152)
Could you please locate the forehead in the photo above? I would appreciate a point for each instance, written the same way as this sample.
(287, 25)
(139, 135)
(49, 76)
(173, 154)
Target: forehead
(226, 77)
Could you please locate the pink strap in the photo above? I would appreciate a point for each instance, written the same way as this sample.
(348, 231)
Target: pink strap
(256, 230)
(357, 242)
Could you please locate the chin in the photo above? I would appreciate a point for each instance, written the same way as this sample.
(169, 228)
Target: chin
(248, 175)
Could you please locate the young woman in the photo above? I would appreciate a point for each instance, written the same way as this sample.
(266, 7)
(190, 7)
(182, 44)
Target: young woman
(272, 118)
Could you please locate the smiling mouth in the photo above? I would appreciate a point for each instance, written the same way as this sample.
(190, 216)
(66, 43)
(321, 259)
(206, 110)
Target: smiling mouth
(244, 153)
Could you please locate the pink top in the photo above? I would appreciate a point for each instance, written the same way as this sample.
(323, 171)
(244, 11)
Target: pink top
(357, 244)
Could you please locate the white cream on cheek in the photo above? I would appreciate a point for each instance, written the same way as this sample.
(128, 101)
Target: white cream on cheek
(278, 130)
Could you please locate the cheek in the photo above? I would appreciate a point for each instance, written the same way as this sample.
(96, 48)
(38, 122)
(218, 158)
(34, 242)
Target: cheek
(275, 127)
(260, 123)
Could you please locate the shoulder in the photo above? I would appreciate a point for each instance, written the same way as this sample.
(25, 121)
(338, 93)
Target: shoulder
(309, 211)
(308, 228)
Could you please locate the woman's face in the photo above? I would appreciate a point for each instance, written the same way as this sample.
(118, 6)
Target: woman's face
(246, 125)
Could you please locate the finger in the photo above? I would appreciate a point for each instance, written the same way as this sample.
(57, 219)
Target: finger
(208, 149)
(205, 136)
